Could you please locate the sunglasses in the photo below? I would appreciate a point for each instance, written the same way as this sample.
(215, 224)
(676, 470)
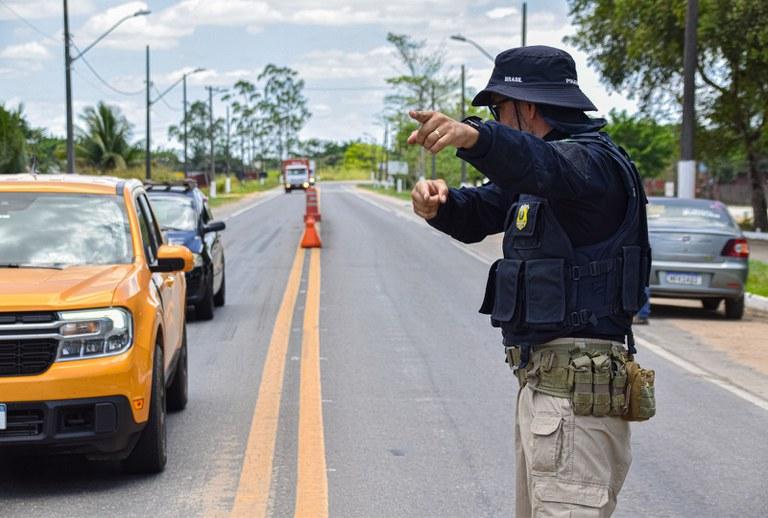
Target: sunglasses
(494, 108)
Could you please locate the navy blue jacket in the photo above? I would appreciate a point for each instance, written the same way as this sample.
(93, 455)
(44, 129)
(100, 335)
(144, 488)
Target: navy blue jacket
(582, 185)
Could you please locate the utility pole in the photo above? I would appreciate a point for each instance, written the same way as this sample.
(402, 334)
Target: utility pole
(186, 168)
(68, 80)
(148, 152)
(212, 174)
(525, 28)
(227, 145)
(434, 157)
(463, 116)
(686, 167)
(385, 173)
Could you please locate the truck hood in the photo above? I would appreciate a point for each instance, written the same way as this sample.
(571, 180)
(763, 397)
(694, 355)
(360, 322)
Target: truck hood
(75, 287)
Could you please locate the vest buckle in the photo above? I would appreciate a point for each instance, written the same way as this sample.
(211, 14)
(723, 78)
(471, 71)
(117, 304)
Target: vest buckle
(594, 268)
(575, 273)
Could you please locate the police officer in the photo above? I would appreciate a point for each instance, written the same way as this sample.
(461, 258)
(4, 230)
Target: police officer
(576, 260)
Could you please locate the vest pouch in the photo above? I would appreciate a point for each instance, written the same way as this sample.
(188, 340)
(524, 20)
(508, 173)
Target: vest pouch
(545, 293)
(601, 385)
(521, 225)
(504, 283)
(631, 279)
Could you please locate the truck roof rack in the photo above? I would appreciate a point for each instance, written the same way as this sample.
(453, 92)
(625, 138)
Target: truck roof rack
(186, 185)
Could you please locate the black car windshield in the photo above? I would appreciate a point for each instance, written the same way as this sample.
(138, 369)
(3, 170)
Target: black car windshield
(57, 230)
(676, 213)
(174, 212)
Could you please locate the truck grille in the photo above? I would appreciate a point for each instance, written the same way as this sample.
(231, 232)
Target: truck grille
(28, 343)
(26, 357)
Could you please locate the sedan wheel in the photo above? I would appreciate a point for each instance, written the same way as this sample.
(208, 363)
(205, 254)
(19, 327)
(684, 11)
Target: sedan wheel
(734, 308)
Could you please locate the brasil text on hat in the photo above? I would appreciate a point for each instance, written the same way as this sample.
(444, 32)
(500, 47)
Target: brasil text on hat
(535, 74)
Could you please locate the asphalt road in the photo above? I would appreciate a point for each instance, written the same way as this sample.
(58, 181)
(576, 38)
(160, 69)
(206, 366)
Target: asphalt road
(417, 403)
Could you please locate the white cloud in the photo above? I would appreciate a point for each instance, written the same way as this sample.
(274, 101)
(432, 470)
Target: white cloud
(502, 12)
(41, 9)
(32, 51)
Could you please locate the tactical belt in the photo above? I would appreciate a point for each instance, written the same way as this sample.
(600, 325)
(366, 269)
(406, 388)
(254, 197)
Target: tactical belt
(590, 372)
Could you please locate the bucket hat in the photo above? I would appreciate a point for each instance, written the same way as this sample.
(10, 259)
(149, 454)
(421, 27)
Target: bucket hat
(536, 74)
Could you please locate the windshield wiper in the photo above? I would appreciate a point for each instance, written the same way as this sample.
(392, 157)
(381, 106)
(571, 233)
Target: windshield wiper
(35, 266)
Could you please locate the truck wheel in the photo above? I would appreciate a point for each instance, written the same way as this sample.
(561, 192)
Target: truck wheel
(204, 310)
(150, 454)
(710, 304)
(734, 308)
(221, 297)
(178, 392)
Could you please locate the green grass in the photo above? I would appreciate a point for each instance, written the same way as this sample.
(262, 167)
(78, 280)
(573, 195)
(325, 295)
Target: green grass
(405, 195)
(239, 189)
(330, 174)
(757, 282)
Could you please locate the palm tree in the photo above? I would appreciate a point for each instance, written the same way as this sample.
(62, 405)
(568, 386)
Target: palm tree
(105, 140)
(12, 142)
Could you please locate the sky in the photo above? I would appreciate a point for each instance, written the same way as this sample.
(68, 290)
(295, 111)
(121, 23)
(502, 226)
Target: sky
(338, 47)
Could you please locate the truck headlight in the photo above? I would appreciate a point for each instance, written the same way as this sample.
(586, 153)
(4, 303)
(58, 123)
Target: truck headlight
(94, 333)
(305, 185)
(198, 259)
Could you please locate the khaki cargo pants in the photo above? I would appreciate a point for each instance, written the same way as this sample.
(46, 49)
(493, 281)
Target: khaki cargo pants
(567, 465)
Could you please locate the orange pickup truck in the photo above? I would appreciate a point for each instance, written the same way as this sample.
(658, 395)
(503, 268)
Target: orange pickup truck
(92, 320)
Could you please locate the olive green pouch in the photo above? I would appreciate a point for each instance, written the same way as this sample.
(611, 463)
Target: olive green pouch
(601, 385)
(618, 385)
(640, 393)
(582, 384)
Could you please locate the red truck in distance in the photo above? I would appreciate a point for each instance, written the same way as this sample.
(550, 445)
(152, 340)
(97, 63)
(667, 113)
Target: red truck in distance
(298, 173)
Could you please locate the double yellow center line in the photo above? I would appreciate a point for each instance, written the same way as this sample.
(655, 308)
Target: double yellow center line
(252, 498)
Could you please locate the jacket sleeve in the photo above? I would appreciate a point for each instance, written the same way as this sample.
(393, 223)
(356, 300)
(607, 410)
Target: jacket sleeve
(521, 162)
(471, 214)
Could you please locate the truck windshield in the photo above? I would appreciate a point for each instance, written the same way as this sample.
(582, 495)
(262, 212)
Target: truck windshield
(57, 230)
(174, 212)
(297, 173)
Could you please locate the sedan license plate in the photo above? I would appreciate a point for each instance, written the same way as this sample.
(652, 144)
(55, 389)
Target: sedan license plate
(3, 420)
(687, 279)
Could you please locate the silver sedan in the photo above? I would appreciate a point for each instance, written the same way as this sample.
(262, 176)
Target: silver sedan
(699, 252)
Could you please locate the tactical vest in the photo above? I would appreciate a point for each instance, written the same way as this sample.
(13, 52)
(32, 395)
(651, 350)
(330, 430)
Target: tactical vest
(545, 288)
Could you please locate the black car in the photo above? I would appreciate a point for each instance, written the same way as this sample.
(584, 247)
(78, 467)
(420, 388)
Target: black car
(183, 213)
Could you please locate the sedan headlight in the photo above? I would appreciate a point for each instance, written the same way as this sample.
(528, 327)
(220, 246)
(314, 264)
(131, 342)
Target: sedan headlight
(94, 333)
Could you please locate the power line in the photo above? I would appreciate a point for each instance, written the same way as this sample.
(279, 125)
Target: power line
(104, 81)
(164, 101)
(27, 22)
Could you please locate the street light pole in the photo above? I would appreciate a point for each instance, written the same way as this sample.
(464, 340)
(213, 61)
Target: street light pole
(463, 116)
(68, 80)
(186, 168)
(68, 60)
(148, 152)
(525, 16)
(686, 167)
(459, 37)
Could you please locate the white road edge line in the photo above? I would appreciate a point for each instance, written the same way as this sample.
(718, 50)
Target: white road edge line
(245, 209)
(707, 376)
(656, 349)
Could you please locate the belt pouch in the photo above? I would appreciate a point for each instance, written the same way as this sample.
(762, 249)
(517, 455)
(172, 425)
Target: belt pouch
(582, 384)
(618, 385)
(601, 385)
(642, 398)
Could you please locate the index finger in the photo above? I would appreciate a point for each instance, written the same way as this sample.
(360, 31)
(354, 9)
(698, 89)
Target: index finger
(421, 117)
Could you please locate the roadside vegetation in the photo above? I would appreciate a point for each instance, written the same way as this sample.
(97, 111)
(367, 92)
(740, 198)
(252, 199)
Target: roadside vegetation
(757, 282)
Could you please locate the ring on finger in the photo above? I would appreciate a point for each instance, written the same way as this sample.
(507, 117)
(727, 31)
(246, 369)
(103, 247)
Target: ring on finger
(438, 132)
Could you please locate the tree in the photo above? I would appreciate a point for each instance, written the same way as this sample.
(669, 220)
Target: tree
(198, 137)
(283, 106)
(651, 145)
(13, 147)
(104, 142)
(637, 45)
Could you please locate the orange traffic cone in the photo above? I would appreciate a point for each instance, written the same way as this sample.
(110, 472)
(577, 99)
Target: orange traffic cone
(313, 208)
(311, 239)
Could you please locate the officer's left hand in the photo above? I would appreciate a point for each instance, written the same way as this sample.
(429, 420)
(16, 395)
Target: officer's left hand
(438, 131)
